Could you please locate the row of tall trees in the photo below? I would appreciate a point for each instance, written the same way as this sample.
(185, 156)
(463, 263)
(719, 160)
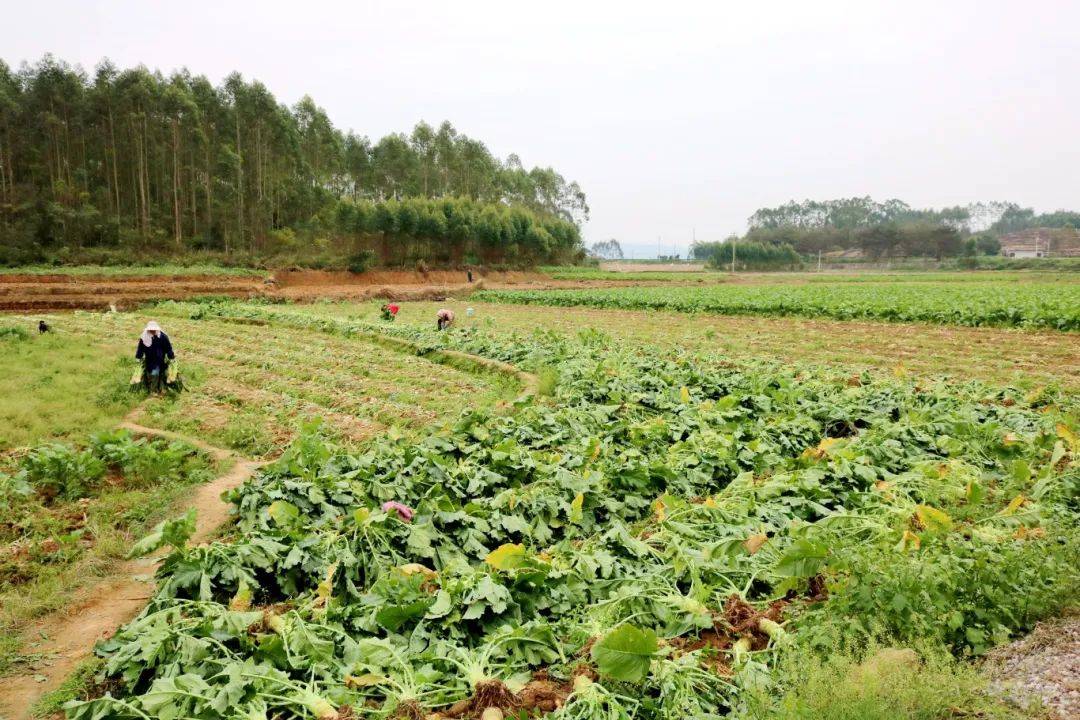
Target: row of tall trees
(132, 158)
(455, 230)
(747, 255)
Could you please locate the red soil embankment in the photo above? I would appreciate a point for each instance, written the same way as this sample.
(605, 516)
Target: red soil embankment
(332, 278)
(70, 292)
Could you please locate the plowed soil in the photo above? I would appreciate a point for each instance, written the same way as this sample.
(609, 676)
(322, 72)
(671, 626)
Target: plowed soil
(71, 292)
(26, 293)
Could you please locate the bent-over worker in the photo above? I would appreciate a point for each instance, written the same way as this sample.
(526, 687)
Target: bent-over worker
(445, 318)
(155, 351)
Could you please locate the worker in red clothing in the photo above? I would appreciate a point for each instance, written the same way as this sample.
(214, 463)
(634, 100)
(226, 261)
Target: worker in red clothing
(389, 311)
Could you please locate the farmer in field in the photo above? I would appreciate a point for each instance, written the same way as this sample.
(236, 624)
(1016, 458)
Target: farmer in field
(155, 351)
(445, 318)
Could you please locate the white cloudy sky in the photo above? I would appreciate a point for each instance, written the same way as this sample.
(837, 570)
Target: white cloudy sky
(674, 116)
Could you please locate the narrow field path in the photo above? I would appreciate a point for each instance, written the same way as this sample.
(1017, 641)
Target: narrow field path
(71, 634)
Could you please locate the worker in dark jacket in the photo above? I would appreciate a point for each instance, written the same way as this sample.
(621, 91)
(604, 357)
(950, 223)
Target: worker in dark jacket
(155, 351)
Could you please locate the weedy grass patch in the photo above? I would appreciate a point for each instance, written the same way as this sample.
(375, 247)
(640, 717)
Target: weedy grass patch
(71, 512)
(654, 539)
(59, 385)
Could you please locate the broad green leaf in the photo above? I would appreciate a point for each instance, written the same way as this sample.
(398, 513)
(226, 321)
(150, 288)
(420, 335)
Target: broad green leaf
(282, 512)
(174, 533)
(802, 559)
(625, 653)
(442, 606)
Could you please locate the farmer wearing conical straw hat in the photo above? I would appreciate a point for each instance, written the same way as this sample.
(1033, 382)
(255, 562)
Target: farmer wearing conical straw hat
(155, 351)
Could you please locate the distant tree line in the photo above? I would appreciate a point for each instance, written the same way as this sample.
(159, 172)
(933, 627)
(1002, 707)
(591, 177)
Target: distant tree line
(747, 255)
(134, 160)
(881, 229)
(607, 250)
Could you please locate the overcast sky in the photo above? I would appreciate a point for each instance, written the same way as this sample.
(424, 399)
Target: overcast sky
(673, 116)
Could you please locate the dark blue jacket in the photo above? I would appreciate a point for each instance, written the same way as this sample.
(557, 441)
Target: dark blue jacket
(154, 356)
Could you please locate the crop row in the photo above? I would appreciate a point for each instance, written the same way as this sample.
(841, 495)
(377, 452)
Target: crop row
(644, 540)
(1005, 304)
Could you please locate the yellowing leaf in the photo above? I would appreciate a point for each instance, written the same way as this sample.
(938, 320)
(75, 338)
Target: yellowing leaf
(365, 680)
(575, 507)
(754, 542)
(684, 394)
(822, 448)
(900, 371)
(414, 568)
(360, 515)
(1009, 439)
(710, 503)
(1068, 436)
(241, 601)
(506, 557)
(1024, 532)
(933, 519)
(659, 509)
(910, 541)
(326, 587)
(1013, 505)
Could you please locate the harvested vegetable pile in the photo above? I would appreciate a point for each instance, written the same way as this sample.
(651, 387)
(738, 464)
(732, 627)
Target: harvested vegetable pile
(644, 542)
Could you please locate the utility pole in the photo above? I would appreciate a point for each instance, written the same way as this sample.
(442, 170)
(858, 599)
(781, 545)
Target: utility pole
(732, 256)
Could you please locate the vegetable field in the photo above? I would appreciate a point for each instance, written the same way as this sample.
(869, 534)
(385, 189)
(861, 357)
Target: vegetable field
(649, 535)
(250, 388)
(1053, 305)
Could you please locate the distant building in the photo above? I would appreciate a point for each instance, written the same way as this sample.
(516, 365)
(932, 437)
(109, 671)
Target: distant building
(1041, 242)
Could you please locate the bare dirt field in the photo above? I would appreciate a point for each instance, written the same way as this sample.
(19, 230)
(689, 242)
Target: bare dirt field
(69, 292)
(28, 293)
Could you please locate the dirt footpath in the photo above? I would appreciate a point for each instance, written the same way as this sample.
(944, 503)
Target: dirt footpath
(70, 636)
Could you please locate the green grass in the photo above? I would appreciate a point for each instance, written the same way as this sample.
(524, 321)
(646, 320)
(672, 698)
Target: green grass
(880, 684)
(571, 272)
(132, 270)
(1053, 305)
(61, 384)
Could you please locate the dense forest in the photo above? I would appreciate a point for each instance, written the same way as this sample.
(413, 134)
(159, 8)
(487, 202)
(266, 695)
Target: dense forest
(782, 236)
(131, 163)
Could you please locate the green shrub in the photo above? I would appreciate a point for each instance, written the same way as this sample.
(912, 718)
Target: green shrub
(60, 471)
(361, 261)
